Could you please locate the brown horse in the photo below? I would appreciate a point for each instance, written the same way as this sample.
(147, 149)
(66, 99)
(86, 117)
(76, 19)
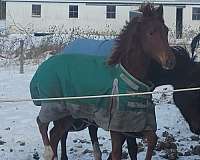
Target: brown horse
(185, 74)
(144, 38)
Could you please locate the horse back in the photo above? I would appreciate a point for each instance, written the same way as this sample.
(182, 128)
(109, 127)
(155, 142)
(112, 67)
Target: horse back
(72, 75)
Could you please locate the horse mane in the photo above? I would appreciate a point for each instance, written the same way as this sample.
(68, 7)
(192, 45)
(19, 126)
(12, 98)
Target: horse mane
(147, 10)
(184, 53)
(127, 40)
(183, 57)
(181, 50)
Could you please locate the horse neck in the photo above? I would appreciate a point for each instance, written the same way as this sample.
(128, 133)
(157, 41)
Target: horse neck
(137, 64)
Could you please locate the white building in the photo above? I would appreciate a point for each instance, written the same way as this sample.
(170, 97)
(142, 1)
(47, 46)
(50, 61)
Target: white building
(41, 15)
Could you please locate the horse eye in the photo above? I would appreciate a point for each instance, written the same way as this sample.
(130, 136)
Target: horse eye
(152, 32)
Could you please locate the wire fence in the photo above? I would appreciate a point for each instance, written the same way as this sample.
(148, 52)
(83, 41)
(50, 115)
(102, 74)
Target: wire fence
(6, 100)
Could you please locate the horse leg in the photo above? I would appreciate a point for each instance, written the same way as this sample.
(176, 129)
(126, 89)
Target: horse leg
(132, 147)
(151, 138)
(117, 142)
(43, 128)
(56, 133)
(63, 147)
(95, 143)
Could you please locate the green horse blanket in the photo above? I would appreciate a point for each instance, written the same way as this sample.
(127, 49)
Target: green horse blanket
(68, 75)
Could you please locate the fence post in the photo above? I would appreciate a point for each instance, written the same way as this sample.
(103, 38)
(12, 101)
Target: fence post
(21, 57)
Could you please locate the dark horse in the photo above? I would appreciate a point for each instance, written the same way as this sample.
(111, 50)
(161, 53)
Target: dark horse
(144, 38)
(186, 74)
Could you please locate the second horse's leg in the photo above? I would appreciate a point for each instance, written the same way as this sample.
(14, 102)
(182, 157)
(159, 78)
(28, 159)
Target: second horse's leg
(117, 142)
(43, 128)
(95, 143)
(132, 147)
(63, 147)
(57, 132)
(151, 142)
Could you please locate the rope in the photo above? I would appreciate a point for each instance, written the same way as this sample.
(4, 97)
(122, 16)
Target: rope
(6, 100)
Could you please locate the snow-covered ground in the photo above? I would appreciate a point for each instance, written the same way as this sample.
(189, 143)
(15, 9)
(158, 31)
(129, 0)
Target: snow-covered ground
(20, 138)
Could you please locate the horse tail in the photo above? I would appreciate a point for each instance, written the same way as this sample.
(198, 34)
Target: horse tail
(34, 91)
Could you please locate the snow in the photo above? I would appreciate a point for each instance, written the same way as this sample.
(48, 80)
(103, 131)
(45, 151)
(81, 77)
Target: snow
(19, 131)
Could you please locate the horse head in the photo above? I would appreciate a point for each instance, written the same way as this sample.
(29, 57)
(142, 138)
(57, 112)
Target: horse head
(154, 36)
(144, 38)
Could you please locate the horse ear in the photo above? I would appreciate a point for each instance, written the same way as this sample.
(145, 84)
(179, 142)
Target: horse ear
(159, 11)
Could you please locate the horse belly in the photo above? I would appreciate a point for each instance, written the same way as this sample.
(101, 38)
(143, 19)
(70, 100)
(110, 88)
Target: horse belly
(52, 111)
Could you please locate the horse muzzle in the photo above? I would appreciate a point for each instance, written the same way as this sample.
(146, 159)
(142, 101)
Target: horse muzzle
(169, 63)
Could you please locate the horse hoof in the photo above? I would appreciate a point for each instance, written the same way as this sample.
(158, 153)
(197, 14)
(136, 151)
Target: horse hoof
(97, 151)
(55, 158)
(110, 157)
(97, 157)
(48, 153)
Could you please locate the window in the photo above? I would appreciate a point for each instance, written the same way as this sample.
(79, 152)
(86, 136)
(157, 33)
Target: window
(111, 11)
(195, 13)
(2, 10)
(133, 14)
(73, 11)
(36, 10)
